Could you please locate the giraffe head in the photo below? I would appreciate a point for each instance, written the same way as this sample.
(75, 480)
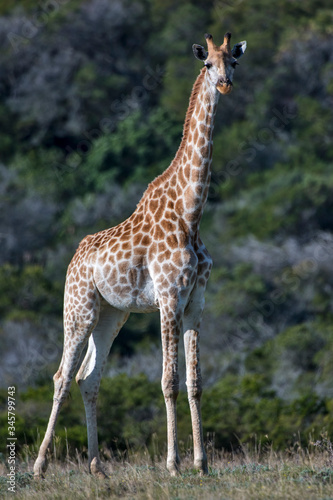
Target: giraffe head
(220, 61)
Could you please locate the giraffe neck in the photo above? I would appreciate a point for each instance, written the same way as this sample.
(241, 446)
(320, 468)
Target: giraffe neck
(185, 182)
(192, 164)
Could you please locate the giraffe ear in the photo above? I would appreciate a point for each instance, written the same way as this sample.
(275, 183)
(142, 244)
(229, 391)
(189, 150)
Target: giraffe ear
(199, 52)
(238, 49)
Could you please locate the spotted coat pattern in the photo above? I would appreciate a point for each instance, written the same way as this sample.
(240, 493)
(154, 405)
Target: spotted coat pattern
(154, 260)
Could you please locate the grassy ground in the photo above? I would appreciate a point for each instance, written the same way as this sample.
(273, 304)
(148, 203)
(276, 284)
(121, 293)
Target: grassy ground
(296, 474)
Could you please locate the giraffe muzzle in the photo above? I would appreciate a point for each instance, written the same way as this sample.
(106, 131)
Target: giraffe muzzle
(224, 85)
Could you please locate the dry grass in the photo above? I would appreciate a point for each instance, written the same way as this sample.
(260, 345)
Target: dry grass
(295, 474)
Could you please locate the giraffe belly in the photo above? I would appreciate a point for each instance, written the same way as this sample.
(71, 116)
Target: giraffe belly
(128, 297)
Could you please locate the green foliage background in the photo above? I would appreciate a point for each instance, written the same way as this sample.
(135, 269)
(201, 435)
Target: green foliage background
(92, 100)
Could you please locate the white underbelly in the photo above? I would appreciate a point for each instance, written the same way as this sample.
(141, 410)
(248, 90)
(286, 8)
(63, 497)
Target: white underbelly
(126, 298)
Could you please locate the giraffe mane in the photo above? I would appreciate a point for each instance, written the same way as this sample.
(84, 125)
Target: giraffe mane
(193, 98)
(173, 166)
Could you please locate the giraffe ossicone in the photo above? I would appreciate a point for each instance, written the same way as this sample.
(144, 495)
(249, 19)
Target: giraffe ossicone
(154, 260)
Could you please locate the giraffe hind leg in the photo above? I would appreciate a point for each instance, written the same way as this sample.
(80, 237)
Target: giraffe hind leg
(90, 373)
(75, 339)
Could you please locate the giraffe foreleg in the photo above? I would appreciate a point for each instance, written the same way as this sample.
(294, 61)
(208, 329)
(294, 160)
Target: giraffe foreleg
(192, 319)
(170, 331)
(90, 373)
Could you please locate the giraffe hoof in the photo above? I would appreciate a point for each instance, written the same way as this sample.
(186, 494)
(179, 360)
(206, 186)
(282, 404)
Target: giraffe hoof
(173, 468)
(97, 470)
(202, 467)
(40, 468)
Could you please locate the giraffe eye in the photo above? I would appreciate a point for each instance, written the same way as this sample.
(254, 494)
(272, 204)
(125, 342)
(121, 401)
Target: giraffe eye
(234, 64)
(208, 65)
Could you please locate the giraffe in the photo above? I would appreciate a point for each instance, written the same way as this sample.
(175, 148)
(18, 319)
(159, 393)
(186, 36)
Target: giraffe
(154, 260)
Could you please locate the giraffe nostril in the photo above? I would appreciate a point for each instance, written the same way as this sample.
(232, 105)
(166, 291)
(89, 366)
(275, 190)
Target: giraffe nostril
(224, 81)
